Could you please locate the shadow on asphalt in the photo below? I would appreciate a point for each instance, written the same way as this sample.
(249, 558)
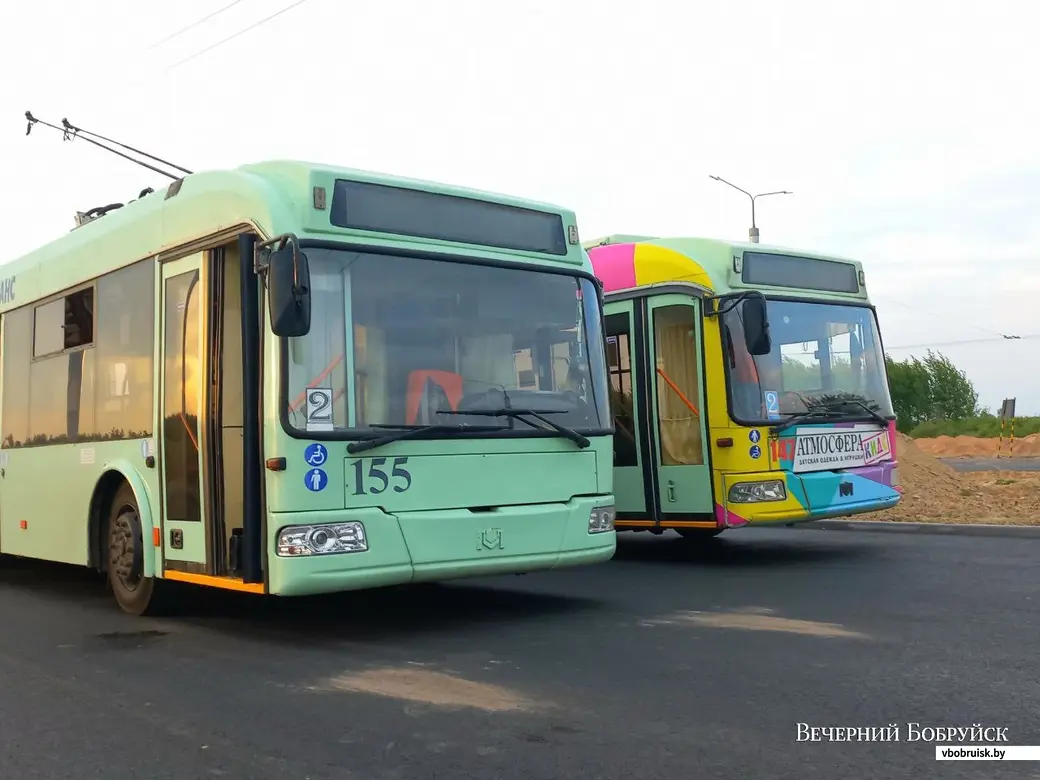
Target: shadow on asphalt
(371, 615)
(410, 610)
(43, 578)
(739, 548)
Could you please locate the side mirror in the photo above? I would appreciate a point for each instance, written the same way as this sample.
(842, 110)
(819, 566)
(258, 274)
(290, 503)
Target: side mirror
(756, 326)
(289, 292)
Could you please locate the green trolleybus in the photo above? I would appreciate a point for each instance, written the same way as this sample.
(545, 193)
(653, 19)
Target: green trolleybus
(292, 379)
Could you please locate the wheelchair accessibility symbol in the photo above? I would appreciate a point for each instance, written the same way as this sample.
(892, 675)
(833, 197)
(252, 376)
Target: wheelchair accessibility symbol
(315, 454)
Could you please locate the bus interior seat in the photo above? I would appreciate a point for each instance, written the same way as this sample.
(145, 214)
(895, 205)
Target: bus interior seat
(430, 390)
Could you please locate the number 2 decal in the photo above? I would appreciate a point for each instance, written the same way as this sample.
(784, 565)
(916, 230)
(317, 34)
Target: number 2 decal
(319, 409)
(377, 478)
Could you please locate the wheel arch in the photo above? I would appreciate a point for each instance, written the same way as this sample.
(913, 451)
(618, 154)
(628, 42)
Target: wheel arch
(112, 478)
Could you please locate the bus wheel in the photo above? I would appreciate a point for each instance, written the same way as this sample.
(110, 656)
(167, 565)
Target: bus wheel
(134, 592)
(698, 534)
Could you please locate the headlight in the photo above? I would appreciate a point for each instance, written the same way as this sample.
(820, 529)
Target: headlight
(601, 519)
(298, 540)
(757, 492)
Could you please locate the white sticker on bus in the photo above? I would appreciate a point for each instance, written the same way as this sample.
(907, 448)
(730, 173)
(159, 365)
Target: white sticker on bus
(319, 409)
(820, 449)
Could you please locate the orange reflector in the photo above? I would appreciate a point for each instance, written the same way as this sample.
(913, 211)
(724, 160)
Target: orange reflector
(156, 537)
(23, 524)
(724, 442)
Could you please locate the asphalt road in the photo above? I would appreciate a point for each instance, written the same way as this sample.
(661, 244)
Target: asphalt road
(993, 464)
(663, 663)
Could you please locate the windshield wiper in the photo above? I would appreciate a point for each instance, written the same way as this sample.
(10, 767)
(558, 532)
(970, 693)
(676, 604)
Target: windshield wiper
(875, 415)
(416, 432)
(809, 416)
(829, 410)
(521, 414)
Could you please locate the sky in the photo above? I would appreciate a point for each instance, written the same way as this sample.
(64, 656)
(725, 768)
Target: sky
(905, 130)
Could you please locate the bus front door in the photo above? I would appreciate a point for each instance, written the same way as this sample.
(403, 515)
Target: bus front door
(681, 465)
(182, 414)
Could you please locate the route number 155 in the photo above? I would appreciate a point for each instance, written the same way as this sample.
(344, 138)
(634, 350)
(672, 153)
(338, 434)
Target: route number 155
(377, 480)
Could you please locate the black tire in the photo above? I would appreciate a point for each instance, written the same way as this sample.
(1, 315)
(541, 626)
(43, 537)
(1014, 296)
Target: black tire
(125, 546)
(698, 534)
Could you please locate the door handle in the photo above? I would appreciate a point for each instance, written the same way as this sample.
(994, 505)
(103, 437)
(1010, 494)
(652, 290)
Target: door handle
(671, 491)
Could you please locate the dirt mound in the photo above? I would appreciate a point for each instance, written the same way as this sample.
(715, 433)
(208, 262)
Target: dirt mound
(974, 446)
(935, 493)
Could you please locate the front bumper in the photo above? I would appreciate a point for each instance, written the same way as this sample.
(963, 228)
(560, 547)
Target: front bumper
(442, 544)
(813, 495)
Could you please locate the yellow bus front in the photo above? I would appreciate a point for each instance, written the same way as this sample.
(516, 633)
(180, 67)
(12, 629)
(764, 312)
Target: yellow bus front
(739, 404)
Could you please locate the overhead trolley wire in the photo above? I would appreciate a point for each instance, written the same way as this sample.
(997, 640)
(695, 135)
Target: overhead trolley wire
(918, 309)
(195, 24)
(965, 341)
(243, 31)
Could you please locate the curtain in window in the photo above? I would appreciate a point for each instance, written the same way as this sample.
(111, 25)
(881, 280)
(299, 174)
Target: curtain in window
(678, 379)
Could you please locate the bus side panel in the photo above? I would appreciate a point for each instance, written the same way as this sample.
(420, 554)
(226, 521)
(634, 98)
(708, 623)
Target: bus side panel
(48, 489)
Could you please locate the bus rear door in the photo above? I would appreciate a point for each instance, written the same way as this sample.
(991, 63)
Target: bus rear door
(626, 400)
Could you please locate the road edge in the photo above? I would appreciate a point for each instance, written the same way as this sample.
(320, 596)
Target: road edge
(956, 529)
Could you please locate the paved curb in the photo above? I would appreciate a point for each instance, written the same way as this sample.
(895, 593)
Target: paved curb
(955, 529)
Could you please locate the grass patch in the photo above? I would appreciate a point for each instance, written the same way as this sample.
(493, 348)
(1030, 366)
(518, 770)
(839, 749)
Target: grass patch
(986, 426)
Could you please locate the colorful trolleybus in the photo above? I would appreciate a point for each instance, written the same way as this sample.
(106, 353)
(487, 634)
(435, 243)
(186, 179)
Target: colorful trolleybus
(748, 386)
(291, 378)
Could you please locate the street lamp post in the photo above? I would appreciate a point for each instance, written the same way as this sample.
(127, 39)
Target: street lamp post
(753, 232)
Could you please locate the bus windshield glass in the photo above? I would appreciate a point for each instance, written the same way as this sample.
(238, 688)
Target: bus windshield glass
(825, 357)
(403, 342)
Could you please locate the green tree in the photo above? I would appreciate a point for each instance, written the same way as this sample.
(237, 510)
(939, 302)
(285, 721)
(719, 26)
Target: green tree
(909, 384)
(806, 376)
(930, 389)
(953, 395)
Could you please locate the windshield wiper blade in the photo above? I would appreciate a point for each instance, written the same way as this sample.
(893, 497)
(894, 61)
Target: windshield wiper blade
(410, 432)
(520, 414)
(876, 415)
(812, 414)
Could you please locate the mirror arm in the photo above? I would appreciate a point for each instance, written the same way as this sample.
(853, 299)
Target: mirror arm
(286, 283)
(717, 309)
(262, 257)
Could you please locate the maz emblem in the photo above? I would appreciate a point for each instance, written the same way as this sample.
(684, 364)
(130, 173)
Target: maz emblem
(845, 489)
(490, 539)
